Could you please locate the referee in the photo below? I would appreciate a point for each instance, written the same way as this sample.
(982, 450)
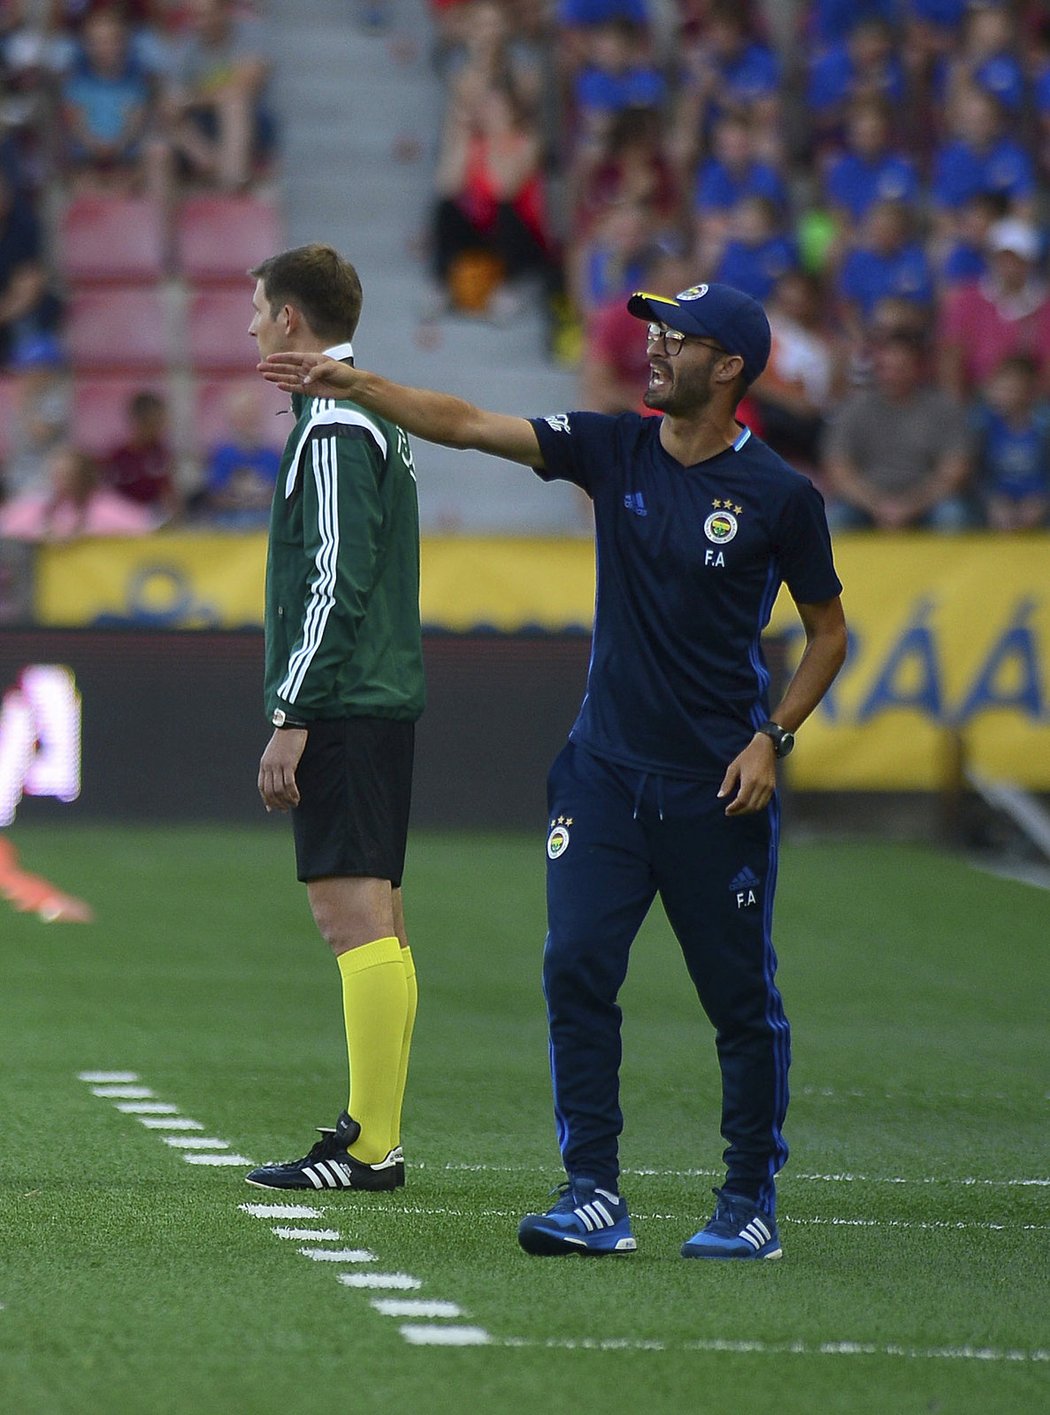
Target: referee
(667, 783)
(343, 690)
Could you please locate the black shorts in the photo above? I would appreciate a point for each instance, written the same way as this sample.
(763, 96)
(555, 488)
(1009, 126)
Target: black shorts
(355, 790)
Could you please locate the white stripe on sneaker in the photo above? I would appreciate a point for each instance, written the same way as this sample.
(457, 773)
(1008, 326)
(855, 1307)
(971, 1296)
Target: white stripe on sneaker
(309, 1174)
(750, 1237)
(603, 1212)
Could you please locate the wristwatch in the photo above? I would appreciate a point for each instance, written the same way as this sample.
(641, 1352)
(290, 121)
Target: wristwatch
(280, 718)
(783, 740)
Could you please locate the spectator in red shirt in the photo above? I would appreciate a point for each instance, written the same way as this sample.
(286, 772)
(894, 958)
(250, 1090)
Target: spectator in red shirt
(1008, 312)
(142, 469)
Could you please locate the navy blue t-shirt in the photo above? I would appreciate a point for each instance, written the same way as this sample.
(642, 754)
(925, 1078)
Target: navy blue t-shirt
(689, 562)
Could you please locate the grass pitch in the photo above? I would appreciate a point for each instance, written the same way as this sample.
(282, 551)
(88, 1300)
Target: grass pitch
(914, 1211)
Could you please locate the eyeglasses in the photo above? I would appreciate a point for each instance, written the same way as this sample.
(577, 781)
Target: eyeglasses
(674, 339)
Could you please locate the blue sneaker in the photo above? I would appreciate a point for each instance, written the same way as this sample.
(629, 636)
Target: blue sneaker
(738, 1228)
(586, 1220)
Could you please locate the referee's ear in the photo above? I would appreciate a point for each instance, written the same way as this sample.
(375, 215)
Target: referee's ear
(292, 319)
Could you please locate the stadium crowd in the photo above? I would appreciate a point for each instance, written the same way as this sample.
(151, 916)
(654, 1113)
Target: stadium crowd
(877, 172)
(104, 101)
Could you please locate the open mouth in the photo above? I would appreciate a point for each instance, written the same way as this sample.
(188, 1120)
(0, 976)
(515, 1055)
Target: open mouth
(659, 376)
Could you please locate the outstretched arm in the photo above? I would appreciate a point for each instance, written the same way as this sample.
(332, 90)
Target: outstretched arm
(437, 417)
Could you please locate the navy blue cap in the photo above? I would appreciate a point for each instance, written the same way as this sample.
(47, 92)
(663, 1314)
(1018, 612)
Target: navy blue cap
(733, 319)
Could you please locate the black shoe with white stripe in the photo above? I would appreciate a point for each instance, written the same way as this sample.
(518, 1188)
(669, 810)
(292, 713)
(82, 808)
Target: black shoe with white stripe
(586, 1220)
(738, 1228)
(329, 1165)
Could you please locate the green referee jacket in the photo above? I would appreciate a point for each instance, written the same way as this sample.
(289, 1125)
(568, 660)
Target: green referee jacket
(342, 570)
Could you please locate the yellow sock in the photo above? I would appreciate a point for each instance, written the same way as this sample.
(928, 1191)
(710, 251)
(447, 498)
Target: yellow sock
(375, 1004)
(406, 1040)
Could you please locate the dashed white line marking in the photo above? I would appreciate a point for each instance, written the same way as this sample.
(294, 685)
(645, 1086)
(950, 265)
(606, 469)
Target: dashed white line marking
(308, 1235)
(218, 1160)
(104, 1078)
(280, 1211)
(195, 1142)
(415, 1307)
(339, 1255)
(392, 1282)
(147, 1108)
(174, 1122)
(123, 1093)
(444, 1336)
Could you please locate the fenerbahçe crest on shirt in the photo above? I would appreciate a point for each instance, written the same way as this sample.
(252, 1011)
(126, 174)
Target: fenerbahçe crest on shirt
(722, 524)
(558, 837)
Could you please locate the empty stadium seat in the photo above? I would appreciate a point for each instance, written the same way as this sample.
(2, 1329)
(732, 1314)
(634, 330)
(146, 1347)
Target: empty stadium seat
(111, 239)
(117, 330)
(100, 408)
(211, 399)
(219, 238)
(217, 330)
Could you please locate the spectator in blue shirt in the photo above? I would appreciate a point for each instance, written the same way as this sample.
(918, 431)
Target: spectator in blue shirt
(831, 20)
(947, 15)
(980, 157)
(241, 472)
(864, 65)
(599, 12)
(1041, 96)
(613, 80)
(729, 71)
(869, 170)
(106, 108)
(730, 174)
(887, 260)
(965, 256)
(612, 260)
(758, 253)
(987, 57)
(1012, 452)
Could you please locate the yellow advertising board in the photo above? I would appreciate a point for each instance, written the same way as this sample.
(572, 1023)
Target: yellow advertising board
(947, 633)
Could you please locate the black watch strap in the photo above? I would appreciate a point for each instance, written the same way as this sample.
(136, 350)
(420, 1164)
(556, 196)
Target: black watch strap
(280, 719)
(782, 739)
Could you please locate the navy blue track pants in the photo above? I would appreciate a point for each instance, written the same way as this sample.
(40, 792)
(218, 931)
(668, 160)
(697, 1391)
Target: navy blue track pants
(617, 838)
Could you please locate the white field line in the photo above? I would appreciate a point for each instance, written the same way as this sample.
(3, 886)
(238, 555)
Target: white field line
(383, 1282)
(445, 1336)
(307, 1235)
(218, 1161)
(414, 1307)
(792, 1176)
(786, 1348)
(444, 1211)
(124, 1093)
(280, 1211)
(195, 1142)
(174, 1122)
(905, 1093)
(108, 1078)
(147, 1108)
(339, 1255)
